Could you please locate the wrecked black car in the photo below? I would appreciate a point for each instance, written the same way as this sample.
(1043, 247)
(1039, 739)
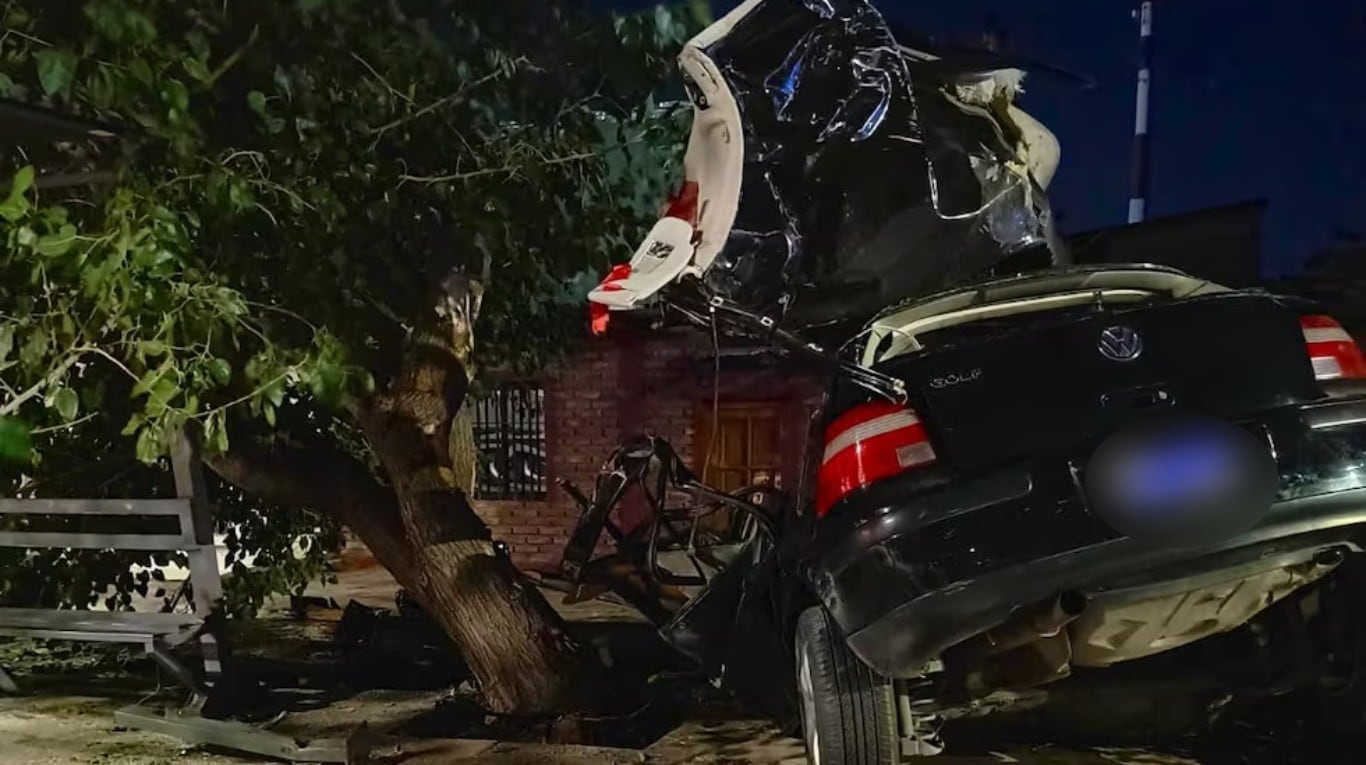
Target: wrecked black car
(1018, 473)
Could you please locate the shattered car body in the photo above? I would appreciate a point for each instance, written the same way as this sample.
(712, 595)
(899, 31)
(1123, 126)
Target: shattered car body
(825, 181)
(1009, 477)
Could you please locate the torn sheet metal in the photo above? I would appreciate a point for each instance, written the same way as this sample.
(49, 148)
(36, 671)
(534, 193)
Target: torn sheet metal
(832, 178)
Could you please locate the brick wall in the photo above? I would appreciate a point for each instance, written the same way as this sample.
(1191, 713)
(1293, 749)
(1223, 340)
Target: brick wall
(630, 383)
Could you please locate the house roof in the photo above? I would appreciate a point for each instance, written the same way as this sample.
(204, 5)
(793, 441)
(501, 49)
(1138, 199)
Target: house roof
(1242, 209)
(1217, 243)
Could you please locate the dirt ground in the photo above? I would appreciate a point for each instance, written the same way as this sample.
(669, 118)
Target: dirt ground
(70, 722)
(78, 730)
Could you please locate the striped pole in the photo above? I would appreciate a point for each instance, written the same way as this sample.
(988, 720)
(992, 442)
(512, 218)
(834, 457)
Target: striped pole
(1138, 193)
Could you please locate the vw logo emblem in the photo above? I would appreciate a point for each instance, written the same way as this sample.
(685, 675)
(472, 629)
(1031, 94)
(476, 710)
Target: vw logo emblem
(1120, 343)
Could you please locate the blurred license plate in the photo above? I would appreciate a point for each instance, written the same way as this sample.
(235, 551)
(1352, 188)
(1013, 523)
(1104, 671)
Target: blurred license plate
(1182, 479)
(1174, 471)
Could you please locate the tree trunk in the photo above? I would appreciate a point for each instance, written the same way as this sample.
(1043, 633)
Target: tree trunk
(512, 640)
(424, 530)
(464, 453)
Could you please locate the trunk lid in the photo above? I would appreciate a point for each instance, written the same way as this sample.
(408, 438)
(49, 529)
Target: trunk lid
(1025, 385)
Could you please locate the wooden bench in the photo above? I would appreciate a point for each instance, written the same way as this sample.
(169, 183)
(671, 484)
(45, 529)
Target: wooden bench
(157, 633)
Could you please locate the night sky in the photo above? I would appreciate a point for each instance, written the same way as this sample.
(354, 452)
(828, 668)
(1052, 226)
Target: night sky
(1261, 99)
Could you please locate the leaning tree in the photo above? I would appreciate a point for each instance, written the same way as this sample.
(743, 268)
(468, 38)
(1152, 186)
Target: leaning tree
(311, 204)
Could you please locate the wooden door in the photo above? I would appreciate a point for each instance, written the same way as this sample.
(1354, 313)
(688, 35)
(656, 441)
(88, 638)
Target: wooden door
(743, 449)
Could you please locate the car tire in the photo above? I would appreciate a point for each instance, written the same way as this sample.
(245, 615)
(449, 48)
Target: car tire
(848, 711)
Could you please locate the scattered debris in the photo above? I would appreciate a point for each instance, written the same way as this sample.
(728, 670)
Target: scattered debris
(315, 609)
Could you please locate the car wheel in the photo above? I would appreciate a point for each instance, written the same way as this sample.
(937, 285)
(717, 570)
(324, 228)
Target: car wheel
(848, 711)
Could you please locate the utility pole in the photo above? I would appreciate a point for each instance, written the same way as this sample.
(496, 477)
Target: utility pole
(1138, 194)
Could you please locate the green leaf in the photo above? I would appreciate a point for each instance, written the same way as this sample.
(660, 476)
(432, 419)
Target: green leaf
(134, 422)
(8, 88)
(56, 68)
(160, 397)
(56, 215)
(219, 369)
(67, 331)
(35, 347)
(92, 396)
(140, 29)
(240, 195)
(150, 379)
(176, 95)
(13, 209)
(141, 71)
(199, 44)
(148, 447)
(275, 393)
(196, 69)
(257, 101)
(16, 205)
(6, 341)
(255, 368)
(53, 245)
(23, 180)
(15, 443)
(66, 403)
(104, 19)
(220, 439)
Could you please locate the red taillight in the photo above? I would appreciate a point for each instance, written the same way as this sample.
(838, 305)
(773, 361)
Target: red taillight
(1332, 350)
(866, 444)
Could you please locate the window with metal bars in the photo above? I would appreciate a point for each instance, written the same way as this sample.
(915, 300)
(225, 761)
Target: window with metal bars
(509, 433)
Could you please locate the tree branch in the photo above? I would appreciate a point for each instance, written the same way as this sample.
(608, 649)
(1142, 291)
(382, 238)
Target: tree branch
(313, 478)
(232, 59)
(509, 169)
(329, 482)
(437, 104)
(51, 378)
(380, 77)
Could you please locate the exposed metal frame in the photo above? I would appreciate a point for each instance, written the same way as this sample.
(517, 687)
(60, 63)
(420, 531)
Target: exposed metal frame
(202, 731)
(634, 573)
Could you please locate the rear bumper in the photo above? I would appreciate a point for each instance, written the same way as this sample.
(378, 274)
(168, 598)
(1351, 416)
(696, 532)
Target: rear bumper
(909, 578)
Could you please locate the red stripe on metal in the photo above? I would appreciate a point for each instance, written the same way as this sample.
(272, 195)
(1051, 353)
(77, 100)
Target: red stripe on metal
(600, 315)
(683, 205)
